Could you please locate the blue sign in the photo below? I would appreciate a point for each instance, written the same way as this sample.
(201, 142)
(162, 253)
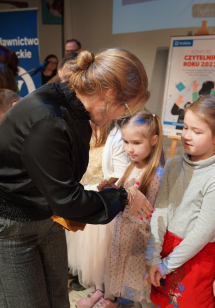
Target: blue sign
(182, 43)
(18, 31)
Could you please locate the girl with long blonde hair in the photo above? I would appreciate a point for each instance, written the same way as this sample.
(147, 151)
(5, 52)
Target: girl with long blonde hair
(142, 136)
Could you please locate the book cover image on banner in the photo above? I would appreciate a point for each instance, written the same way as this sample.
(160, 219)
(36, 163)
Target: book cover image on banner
(190, 73)
(18, 31)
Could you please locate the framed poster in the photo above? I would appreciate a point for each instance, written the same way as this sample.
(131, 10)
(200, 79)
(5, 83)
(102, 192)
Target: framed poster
(190, 73)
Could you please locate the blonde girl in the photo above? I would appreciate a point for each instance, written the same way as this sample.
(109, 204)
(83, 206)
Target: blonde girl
(142, 135)
(181, 248)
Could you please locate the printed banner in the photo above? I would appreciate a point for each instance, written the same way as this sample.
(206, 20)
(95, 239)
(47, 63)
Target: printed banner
(190, 73)
(18, 31)
(146, 15)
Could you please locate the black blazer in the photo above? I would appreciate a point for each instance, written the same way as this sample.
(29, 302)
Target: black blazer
(44, 152)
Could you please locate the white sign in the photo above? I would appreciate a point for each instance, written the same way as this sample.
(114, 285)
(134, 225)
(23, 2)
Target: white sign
(190, 73)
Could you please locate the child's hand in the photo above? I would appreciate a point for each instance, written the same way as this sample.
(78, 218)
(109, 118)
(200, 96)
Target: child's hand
(154, 273)
(214, 287)
(102, 185)
(158, 278)
(142, 207)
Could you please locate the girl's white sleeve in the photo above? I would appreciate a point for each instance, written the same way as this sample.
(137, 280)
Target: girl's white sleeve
(114, 158)
(158, 221)
(120, 159)
(91, 187)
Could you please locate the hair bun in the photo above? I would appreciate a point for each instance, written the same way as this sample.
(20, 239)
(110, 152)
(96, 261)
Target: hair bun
(84, 59)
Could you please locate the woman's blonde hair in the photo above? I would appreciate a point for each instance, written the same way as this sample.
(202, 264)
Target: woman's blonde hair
(100, 134)
(116, 69)
(204, 108)
(156, 157)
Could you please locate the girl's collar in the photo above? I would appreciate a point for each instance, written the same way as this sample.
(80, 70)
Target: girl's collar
(198, 164)
(71, 102)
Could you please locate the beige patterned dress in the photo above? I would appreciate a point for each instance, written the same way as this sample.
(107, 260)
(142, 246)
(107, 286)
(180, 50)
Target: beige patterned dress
(127, 256)
(94, 173)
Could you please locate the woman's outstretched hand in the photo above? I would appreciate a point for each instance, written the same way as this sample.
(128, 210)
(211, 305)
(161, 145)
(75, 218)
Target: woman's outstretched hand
(154, 274)
(104, 185)
(142, 207)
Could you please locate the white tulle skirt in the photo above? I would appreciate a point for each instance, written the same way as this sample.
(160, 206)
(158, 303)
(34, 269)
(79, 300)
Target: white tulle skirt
(88, 253)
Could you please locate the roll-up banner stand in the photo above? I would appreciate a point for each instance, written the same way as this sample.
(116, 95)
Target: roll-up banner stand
(19, 32)
(190, 73)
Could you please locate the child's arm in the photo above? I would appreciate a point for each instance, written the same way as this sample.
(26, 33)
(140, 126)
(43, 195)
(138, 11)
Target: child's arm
(202, 233)
(158, 221)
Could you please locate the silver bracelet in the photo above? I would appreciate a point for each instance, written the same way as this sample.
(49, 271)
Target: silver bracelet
(131, 194)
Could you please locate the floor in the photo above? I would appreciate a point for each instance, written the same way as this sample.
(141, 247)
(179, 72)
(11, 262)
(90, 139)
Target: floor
(74, 296)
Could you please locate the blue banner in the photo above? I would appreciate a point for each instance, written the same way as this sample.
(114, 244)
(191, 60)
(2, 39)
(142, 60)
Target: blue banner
(18, 31)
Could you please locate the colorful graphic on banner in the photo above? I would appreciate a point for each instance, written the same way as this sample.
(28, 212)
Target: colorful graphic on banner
(190, 73)
(146, 15)
(18, 31)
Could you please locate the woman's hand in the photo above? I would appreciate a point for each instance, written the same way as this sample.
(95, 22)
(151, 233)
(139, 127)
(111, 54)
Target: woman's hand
(142, 207)
(104, 185)
(214, 287)
(154, 274)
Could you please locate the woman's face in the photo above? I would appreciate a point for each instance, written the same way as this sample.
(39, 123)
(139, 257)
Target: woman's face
(52, 64)
(95, 105)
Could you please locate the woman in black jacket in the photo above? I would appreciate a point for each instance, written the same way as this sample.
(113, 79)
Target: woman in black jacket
(44, 154)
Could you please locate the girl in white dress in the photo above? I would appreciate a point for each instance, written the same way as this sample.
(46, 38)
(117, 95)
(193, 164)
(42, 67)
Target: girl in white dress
(88, 250)
(142, 135)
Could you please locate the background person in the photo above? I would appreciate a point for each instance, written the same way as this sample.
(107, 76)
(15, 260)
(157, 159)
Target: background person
(72, 45)
(49, 70)
(9, 58)
(7, 99)
(7, 80)
(60, 76)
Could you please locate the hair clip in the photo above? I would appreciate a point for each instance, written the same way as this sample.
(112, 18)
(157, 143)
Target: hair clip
(153, 115)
